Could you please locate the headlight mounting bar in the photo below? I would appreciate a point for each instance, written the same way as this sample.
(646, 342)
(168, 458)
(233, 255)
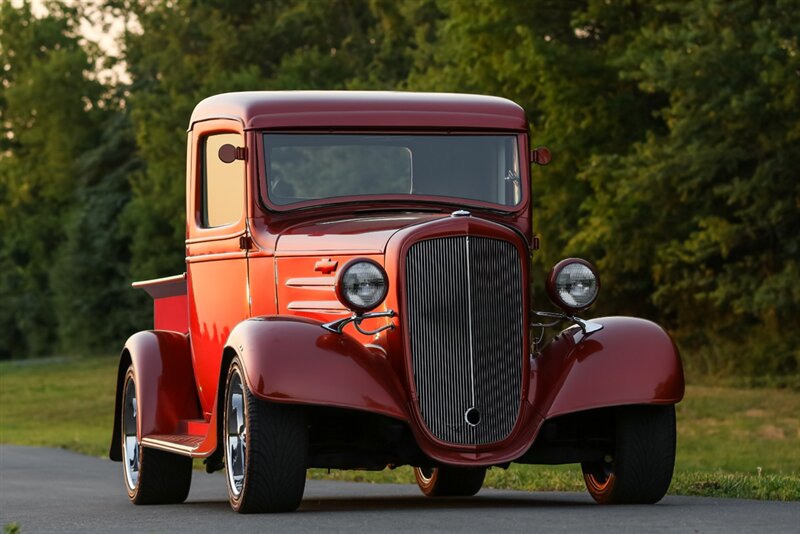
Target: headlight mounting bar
(338, 326)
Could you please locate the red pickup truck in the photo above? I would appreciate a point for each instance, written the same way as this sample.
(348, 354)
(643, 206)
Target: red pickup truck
(357, 296)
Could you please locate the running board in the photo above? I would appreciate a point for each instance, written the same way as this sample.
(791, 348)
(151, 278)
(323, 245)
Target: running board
(191, 435)
(185, 444)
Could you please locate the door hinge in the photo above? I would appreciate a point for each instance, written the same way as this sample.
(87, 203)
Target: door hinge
(535, 243)
(245, 243)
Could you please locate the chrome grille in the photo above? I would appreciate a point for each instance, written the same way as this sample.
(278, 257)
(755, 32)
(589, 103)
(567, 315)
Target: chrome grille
(465, 319)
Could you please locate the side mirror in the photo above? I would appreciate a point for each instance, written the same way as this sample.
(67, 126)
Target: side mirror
(229, 153)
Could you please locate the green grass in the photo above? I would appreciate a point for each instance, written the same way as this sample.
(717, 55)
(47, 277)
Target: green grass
(58, 402)
(731, 442)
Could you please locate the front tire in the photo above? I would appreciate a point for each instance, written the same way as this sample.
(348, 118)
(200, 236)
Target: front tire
(640, 470)
(266, 446)
(151, 476)
(449, 481)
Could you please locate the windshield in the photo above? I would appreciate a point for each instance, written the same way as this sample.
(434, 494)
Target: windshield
(312, 167)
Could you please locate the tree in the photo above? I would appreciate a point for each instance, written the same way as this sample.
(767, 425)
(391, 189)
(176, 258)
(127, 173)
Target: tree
(187, 51)
(557, 60)
(95, 306)
(707, 208)
(48, 113)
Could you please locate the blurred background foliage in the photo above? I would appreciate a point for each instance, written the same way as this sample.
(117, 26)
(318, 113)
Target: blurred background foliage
(675, 127)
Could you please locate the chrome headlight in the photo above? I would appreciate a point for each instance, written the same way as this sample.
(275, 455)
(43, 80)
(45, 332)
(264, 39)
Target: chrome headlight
(573, 285)
(362, 285)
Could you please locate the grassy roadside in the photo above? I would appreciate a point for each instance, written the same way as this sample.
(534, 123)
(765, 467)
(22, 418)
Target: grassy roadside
(731, 442)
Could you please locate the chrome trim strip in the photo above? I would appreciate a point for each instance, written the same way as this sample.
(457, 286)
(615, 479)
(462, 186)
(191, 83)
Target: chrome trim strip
(469, 314)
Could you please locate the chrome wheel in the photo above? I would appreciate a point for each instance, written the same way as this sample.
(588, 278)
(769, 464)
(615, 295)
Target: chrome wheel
(599, 476)
(130, 439)
(425, 474)
(449, 481)
(266, 449)
(235, 434)
(151, 476)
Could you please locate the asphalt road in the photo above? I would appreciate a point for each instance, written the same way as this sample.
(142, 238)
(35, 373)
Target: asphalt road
(49, 490)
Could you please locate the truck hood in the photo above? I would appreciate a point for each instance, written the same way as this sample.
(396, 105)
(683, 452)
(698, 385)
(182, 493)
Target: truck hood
(348, 234)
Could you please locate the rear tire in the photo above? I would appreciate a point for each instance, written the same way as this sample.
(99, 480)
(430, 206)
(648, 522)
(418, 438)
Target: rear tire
(449, 481)
(151, 476)
(640, 470)
(266, 446)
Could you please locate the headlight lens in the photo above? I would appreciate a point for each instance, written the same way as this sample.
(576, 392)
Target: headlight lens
(362, 286)
(573, 284)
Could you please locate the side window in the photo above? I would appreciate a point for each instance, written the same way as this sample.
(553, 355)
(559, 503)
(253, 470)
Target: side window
(222, 184)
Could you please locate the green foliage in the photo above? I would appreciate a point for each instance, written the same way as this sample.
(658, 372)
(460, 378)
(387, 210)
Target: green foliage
(93, 301)
(191, 50)
(674, 127)
(706, 209)
(49, 115)
(555, 59)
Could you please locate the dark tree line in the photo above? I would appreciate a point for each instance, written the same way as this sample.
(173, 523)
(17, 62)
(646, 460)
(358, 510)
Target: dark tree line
(675, 128)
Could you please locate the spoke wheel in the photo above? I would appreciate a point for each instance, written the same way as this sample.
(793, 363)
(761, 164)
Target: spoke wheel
(151, 476)
(449, 481)
(640, 470)
(266, 447)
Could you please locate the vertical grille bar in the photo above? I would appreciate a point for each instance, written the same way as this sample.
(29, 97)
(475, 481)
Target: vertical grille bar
(465, 300)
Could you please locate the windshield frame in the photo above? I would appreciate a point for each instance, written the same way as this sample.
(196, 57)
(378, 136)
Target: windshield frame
(385, 201)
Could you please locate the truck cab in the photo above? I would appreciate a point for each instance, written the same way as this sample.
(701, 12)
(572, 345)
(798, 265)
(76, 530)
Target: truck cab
(357, 296)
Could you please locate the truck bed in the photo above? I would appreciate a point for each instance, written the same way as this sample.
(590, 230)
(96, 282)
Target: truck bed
(170, 302)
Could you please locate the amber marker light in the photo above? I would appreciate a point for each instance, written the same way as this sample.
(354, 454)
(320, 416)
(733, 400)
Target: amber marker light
(362, 285)
(573, 285)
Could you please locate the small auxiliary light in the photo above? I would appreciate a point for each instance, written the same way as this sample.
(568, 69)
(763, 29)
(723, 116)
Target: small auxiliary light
(541, 155)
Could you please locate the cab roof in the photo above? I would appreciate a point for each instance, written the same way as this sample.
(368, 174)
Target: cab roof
(362, 109)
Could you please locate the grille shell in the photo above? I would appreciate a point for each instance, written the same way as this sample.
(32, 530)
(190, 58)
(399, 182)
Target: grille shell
(465, 320)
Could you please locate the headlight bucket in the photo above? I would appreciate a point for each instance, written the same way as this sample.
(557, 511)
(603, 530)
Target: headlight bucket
(362, 285)
(573, 285)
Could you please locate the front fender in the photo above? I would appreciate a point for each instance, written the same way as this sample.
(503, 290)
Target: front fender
(165, 386)
(293, 360)
(630, 361)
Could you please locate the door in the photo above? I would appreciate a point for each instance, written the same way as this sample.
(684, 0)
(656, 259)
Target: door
(216, 263)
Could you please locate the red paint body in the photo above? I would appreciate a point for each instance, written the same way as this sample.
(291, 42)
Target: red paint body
(265, 303)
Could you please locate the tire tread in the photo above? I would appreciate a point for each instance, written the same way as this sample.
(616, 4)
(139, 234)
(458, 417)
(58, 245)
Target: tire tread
(277, 451)
(164, 478)
(644, 457)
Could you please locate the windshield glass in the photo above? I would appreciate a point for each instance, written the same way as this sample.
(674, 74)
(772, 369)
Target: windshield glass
(308, 167)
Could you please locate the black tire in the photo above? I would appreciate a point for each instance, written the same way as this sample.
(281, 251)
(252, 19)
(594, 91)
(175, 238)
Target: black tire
(449, 481)
(272, 477)
(640, 470)
(151, 476)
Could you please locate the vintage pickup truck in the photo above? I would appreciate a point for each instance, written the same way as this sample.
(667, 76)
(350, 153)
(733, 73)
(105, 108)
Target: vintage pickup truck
(357, 296)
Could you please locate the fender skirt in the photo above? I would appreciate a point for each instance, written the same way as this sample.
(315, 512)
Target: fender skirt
(630, 361)
(165, 386)
(294, 360)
